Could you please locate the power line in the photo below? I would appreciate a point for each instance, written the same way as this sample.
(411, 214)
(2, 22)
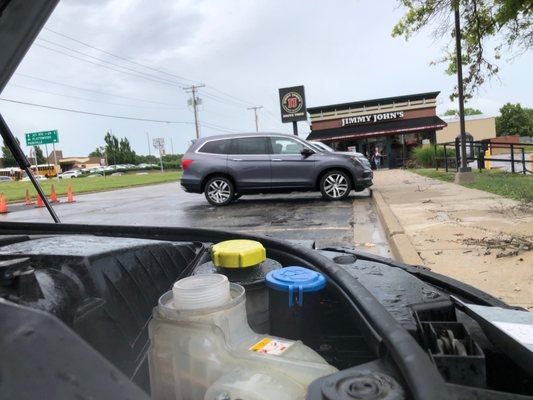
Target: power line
(230, 100)
(91, 90)
(93, 100)
(206, 124)
(93, 113)
(244, 102)
(101, 65)
(223, 101)
(218, 127)
(108, 62)
(121, 57)
(134, 72)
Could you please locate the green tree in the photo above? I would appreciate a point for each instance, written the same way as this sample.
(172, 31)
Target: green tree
(8, 159)
(504, 23)
(112, 148)
(118, 151)
(126, 154)
(529, 112)
(172, 157)
(514, 120)
(39, 155)
(96, 153)
(468, 111)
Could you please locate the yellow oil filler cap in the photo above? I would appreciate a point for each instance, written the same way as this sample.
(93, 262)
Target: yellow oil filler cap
(239, 253)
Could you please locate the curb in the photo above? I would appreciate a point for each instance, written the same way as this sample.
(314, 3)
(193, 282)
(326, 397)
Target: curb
(400, 244)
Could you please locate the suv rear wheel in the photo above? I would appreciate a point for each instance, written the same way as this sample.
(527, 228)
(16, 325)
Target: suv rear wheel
(335, 185)
(219, 191)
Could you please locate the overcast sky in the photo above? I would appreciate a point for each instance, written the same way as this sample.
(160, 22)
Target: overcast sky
(340, 50)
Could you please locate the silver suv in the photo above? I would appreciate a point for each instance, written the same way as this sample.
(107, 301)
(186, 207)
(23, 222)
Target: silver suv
(228, 166)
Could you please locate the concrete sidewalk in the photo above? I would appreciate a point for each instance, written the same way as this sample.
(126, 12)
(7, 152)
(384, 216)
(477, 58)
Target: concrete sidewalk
(470, 235)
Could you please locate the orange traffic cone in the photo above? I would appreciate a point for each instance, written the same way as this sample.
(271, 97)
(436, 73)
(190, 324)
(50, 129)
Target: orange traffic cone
(3, 204)
(70, 195)
(29, 201)
(40, 202)
(53, 195)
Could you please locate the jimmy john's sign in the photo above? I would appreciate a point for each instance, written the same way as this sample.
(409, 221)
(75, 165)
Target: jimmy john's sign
(292, 104)
(372, 118)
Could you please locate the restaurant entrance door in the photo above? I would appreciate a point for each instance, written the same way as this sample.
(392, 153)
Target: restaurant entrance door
(382, 144)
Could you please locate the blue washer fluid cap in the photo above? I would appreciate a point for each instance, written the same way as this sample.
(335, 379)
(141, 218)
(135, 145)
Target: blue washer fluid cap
(290, 279)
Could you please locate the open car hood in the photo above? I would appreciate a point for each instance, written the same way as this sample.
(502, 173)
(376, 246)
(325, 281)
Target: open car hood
(398, 310)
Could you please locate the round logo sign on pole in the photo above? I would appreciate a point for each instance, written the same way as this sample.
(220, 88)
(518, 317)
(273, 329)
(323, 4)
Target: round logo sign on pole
(292, 102)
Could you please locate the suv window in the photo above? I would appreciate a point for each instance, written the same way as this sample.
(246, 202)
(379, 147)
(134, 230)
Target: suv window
(285, 146)
(250, 145)
(216, 147)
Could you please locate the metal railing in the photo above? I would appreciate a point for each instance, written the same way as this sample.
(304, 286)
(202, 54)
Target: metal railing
(475, 151)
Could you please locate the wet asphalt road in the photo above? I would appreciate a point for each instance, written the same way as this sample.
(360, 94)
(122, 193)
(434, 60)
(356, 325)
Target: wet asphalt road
(299, 216)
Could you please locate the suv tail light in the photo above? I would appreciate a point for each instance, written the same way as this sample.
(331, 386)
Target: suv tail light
(185, 164)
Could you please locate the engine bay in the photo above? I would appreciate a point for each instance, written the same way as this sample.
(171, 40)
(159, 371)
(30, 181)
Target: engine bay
(105, 289)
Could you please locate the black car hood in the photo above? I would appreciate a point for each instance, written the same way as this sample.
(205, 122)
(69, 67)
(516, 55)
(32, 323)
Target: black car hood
(20, 23)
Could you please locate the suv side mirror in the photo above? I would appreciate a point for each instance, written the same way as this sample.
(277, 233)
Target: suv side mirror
(306, 152)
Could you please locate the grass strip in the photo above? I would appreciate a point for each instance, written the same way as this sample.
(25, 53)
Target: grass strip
(515, 186)
(14, 191)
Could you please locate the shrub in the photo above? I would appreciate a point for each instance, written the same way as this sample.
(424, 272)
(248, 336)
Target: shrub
(172, 164)
(424, 156)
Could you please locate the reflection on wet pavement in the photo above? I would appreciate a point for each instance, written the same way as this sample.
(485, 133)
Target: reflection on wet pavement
(298, 216)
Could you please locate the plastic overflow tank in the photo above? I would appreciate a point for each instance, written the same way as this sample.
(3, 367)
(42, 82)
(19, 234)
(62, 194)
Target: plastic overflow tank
(201, 347)
(294, 301)
(244, 262)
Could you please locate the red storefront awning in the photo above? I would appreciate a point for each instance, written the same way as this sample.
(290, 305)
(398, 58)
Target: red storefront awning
(380, 129)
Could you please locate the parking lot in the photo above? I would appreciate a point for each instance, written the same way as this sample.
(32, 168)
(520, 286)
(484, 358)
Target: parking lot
(299, 216)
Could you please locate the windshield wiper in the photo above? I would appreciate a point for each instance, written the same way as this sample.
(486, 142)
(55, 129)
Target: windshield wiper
(24, 164)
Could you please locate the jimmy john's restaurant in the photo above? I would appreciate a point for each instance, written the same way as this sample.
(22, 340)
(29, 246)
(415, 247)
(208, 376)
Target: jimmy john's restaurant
(393, 125)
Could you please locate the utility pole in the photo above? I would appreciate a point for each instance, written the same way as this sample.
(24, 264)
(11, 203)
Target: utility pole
(159, 144)
(56, 166)
(148, 141)
(256, 117)
(194, 102)
(172, 146)
(465, 173)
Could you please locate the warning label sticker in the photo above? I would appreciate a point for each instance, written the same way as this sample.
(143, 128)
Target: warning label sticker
(271, 346)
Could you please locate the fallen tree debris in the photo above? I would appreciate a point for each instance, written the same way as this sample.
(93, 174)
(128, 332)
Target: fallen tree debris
(509, 247)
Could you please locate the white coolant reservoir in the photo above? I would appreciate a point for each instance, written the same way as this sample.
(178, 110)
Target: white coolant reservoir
(202, 347)
(207, 291)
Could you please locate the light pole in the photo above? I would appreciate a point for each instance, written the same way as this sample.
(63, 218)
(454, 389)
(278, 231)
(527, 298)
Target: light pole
(465, 174)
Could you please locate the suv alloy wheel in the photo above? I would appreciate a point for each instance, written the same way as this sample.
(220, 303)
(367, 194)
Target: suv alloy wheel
(335, 185)
(219, 191)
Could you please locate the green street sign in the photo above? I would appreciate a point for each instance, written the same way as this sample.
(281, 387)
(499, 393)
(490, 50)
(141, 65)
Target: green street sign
(38, 138)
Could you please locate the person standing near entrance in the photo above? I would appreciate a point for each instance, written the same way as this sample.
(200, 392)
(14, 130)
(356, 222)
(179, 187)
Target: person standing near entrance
(377, 158)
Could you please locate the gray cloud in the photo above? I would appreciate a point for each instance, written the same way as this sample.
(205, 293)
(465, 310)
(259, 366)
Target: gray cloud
(341, 51)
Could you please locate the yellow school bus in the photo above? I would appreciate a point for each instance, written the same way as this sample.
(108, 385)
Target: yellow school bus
(14, 173)
(48, 170)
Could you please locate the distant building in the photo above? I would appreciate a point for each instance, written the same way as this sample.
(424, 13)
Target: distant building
(58, 156)
(481, 127)
(69, 163)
